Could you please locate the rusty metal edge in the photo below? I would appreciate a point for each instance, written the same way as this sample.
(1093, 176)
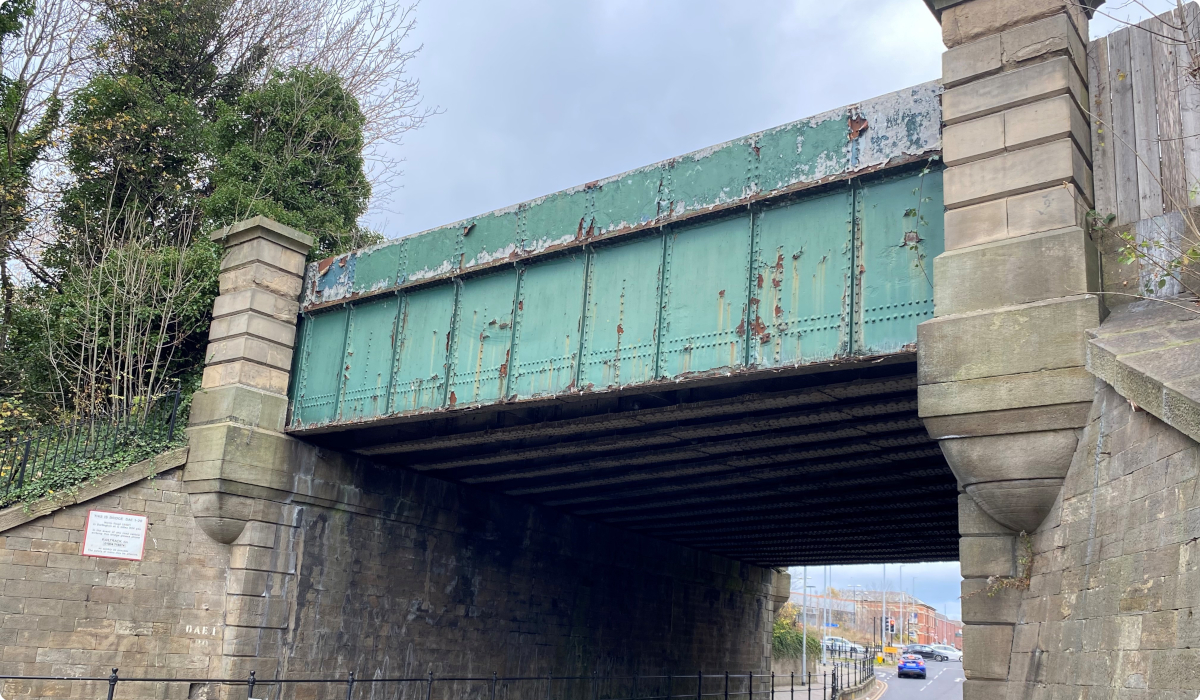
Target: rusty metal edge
(696, 379)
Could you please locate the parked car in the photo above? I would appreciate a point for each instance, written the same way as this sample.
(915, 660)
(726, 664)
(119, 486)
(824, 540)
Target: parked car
(948, 651)
(925, 652)
(911, 665)
(837, 645)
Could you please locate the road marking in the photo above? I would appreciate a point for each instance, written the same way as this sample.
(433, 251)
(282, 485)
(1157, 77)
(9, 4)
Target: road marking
(883, 690)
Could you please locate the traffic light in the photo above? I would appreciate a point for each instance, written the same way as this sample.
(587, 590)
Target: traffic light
(891, 625)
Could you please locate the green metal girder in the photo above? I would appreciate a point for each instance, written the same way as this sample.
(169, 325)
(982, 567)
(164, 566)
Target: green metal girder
(852, 141)
(840, 274)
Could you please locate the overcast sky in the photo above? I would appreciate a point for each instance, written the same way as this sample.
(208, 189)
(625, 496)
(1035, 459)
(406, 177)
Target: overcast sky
(539, 95)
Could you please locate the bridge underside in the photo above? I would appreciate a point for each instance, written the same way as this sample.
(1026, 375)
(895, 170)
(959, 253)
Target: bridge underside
(830, 467)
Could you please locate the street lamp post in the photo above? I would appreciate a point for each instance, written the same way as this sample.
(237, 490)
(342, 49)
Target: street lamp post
(804, 634)
(915, 608)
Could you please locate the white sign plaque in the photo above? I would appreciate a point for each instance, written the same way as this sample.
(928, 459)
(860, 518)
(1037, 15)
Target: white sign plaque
(114, 535)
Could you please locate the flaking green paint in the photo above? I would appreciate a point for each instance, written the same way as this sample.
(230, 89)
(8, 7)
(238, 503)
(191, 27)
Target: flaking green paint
(902, 126)
(831, 276)
(613, 284)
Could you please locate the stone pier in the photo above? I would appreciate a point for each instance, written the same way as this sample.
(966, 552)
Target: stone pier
(1002, 374)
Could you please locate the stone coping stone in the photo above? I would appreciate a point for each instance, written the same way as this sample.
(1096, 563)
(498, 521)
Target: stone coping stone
(14, 516)
(1149, 351)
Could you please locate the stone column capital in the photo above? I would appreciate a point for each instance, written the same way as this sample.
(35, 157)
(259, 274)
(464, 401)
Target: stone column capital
(968, 20)
(939, 6)
(262, 227)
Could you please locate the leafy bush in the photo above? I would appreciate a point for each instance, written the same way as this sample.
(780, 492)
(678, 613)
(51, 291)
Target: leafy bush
(788, 641)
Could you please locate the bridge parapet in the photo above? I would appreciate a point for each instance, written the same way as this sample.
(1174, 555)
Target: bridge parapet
(770, 252)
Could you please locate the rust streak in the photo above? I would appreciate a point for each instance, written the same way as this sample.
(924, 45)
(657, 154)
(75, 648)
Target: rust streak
(857, 124)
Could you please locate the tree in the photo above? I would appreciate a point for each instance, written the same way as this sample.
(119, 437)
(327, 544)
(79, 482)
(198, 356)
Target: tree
(22, 146)
(292, 150)
(183, 116)
(133, 147)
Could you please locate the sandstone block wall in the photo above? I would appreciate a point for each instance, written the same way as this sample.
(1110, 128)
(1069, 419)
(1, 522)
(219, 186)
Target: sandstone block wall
(65, 614)
(1113, 607)
(382, 573)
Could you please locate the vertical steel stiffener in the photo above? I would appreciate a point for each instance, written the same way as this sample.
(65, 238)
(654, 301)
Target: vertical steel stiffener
(840, 274)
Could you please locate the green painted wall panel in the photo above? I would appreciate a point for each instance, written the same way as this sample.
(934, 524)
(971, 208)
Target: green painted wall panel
(620, 325)
(554, 220)
(549, 319)
(368, 368)
(706, 292)
(805, 151)
(902, 232)
(432, 254)
(802, 279)
(321, 377)
(482, 335)
(696, 182)
(845, 272)
(419, 382)
(491, 237)
(627, 201)
(377, 268)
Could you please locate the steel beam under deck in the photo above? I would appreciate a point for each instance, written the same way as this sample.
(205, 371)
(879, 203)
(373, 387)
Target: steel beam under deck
(812, 468)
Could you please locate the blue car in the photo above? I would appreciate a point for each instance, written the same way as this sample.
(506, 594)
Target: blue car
(911, 665)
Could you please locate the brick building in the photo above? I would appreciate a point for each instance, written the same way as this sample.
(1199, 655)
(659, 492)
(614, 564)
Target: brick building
(915, 621)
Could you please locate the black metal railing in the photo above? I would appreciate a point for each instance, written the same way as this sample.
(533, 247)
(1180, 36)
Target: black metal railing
(852, 670)
(44, 452)
(696, 686)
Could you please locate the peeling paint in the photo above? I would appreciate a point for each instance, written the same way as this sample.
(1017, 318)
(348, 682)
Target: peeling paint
(899, 127)
(709, 297)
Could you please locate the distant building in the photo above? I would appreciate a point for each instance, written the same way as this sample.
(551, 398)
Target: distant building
(856, 617)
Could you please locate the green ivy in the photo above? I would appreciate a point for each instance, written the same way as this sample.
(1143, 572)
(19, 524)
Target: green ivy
(65, 480)
(788, 642)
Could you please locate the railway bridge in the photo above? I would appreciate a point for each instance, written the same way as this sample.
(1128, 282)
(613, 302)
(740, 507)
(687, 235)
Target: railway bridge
(586, 433)
(717, 350)
(664, 386)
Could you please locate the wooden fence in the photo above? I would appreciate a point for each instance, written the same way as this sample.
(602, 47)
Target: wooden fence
(1145, 114)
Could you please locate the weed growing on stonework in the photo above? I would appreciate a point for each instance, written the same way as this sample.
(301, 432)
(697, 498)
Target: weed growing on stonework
(1020, 582)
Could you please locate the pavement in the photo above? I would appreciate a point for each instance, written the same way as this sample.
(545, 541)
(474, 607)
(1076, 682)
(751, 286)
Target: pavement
(944, 682)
